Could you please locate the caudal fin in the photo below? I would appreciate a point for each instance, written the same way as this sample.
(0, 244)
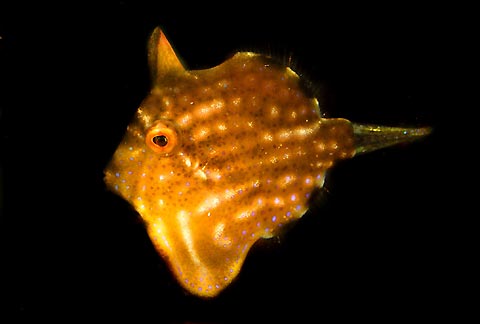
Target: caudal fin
(369, 137)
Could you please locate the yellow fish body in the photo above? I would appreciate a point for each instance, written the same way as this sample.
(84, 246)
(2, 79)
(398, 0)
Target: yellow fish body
(216, 159)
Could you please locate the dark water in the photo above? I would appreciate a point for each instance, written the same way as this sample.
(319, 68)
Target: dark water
(375, 247)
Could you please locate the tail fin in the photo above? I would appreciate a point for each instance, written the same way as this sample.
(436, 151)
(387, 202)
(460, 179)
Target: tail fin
(369, 138)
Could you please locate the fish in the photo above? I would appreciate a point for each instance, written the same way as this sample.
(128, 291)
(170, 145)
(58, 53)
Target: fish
(216, 159)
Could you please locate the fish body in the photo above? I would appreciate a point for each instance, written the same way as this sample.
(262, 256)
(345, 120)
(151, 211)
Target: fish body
(219, 158)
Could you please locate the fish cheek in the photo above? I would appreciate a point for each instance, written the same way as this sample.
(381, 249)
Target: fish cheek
(156, 195)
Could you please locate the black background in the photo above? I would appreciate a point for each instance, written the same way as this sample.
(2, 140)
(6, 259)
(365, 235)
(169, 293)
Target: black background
(375, 247)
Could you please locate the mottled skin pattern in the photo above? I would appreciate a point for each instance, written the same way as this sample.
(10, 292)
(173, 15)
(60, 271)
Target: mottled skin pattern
(216, 159)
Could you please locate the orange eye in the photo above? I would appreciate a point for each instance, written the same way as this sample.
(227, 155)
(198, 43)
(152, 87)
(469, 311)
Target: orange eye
(162, 137)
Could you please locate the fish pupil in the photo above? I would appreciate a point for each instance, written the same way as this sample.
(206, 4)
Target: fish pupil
(160, 140)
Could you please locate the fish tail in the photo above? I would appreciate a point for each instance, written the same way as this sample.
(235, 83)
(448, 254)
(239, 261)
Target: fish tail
(369, 137)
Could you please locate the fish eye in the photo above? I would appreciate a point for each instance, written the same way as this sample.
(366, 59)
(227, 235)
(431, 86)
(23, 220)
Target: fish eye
(160, 140)
(162, 137)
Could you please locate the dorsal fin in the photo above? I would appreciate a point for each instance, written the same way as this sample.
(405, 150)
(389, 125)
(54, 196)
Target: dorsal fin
(162, 59)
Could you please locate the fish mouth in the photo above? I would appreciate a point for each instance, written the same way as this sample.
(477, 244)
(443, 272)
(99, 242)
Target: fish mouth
(115, 181)
(108, 179)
